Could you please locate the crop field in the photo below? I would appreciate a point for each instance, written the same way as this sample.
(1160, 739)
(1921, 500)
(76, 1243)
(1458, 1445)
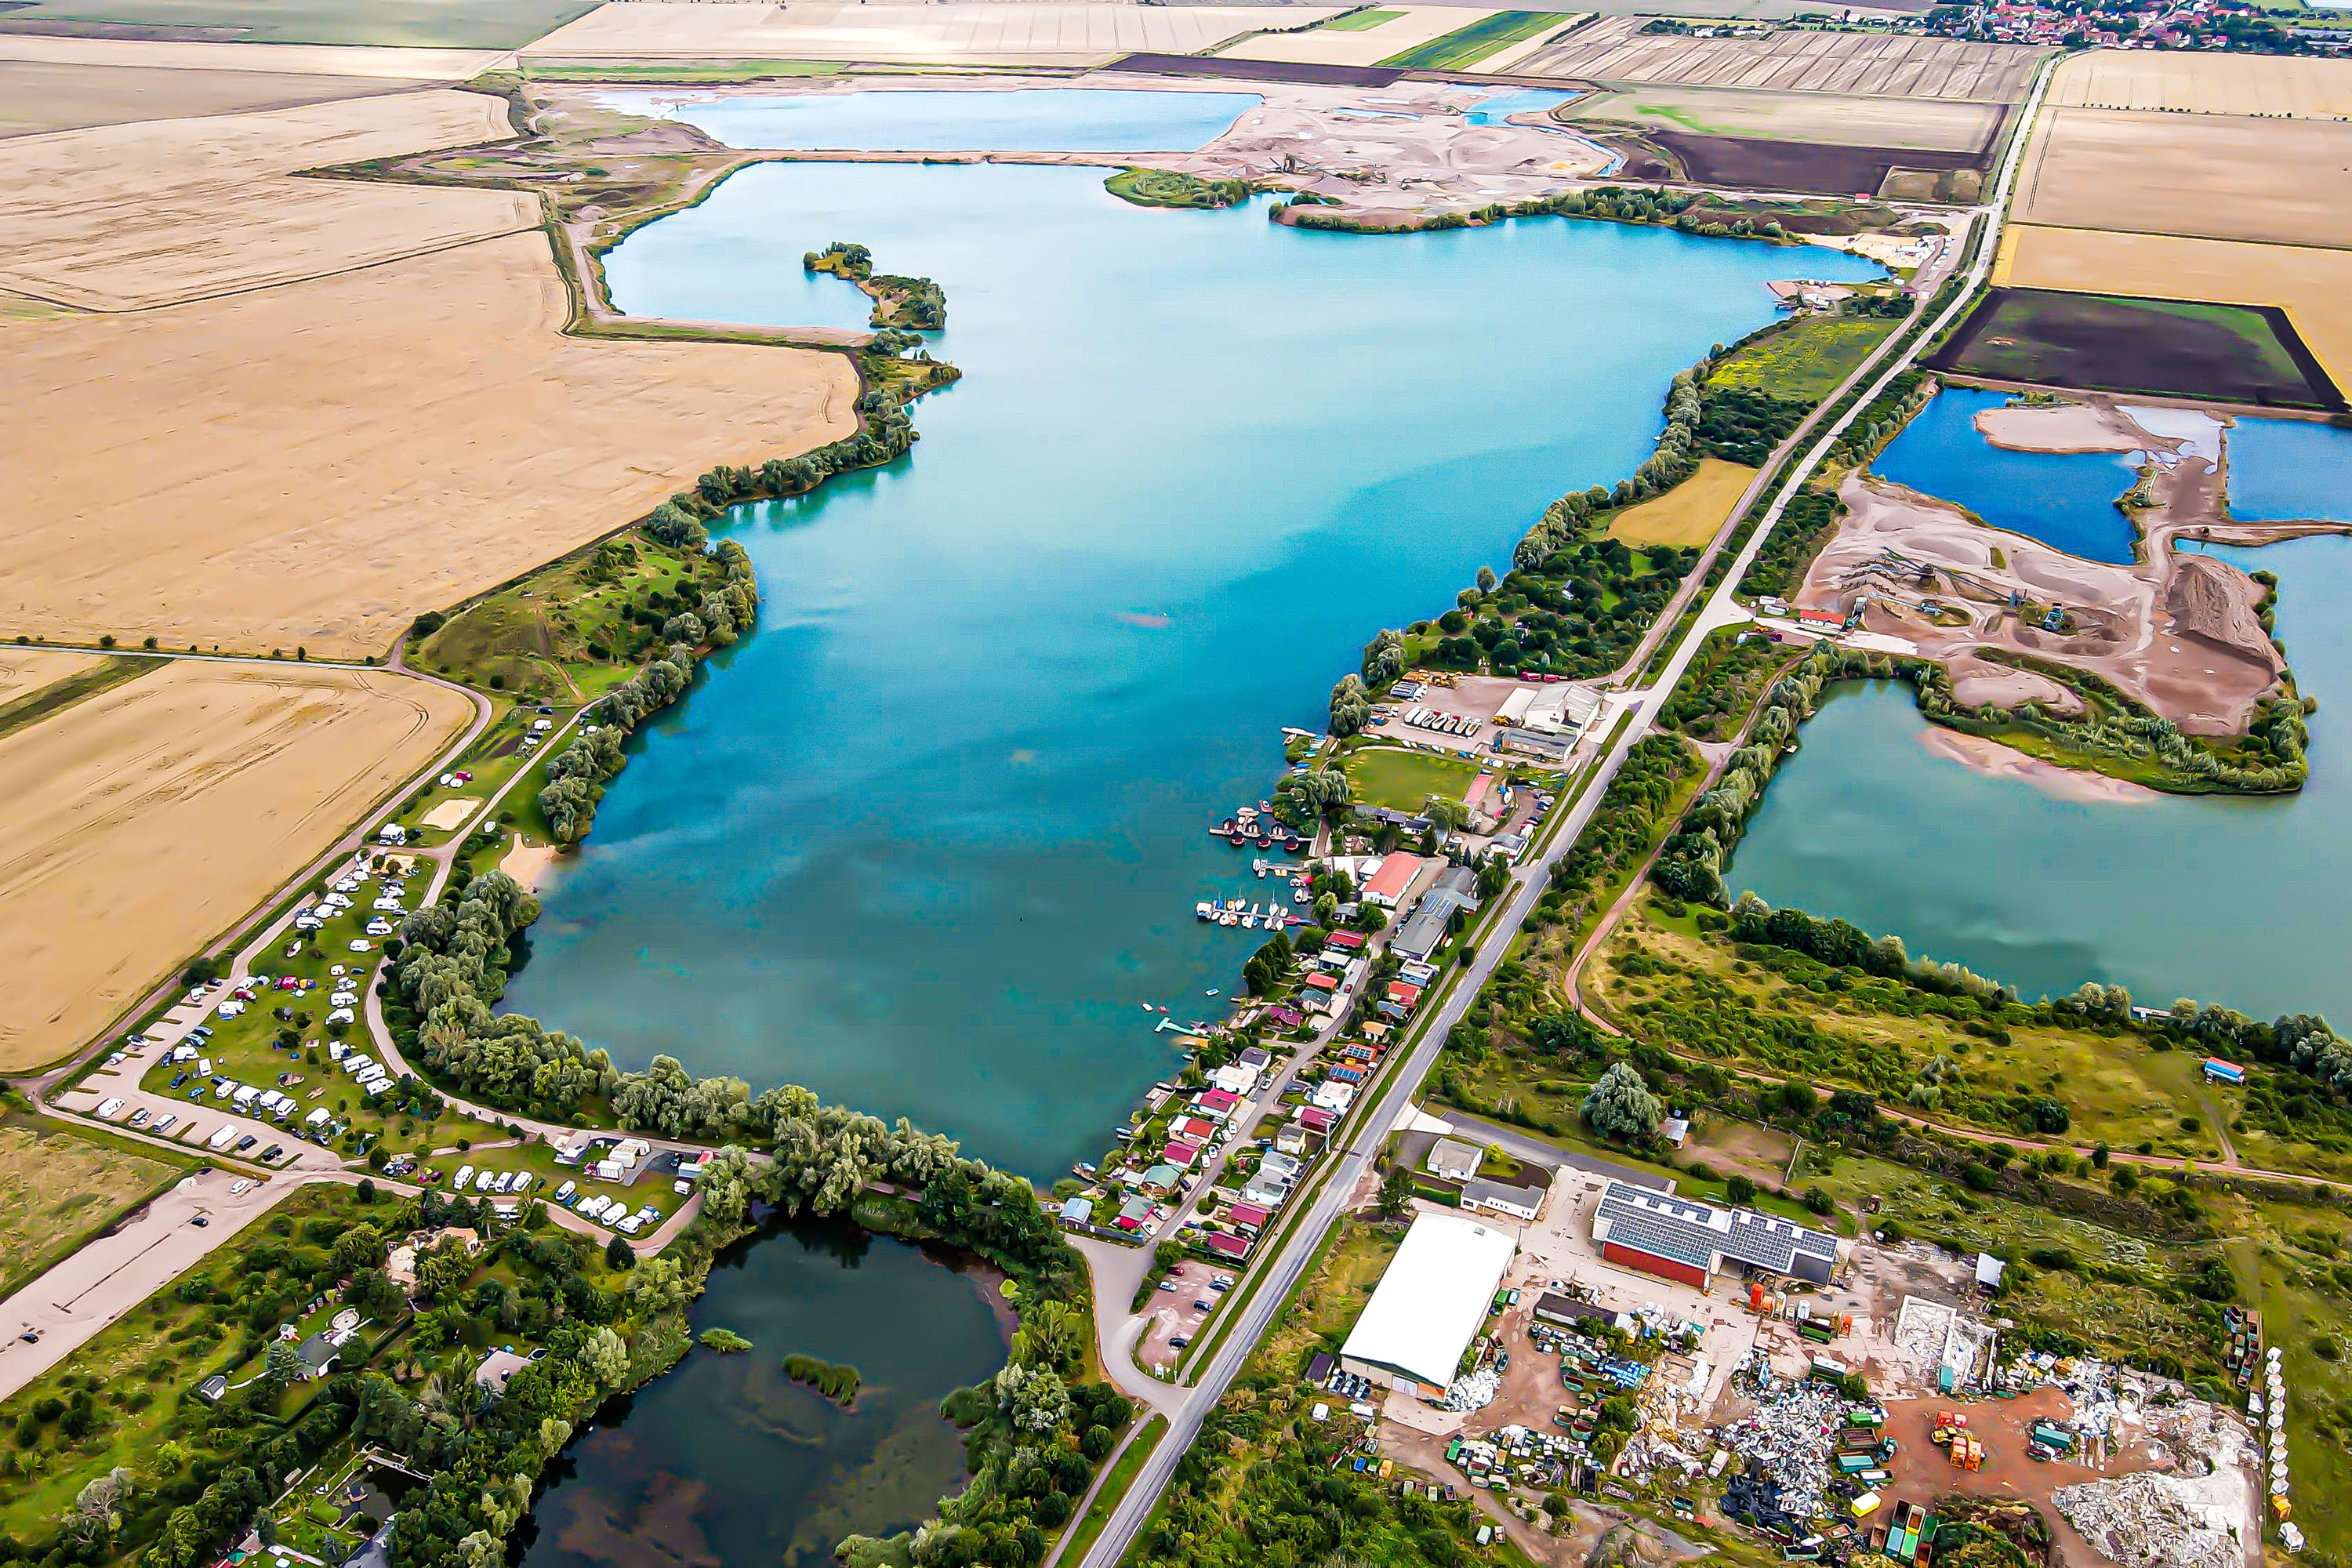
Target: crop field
(1466, 47)
(130, 216)
(25, 670)
(438, 469)
(2286, 182)
(2183, 81)
(1806, 359)
(36, 95)
(1365, 39)
(87, 677)
(2305, 281)
(1689, 513)
(56, 1186)
(991, 32)
(146, 818)
(443, 24)
(1614, 50)
(1764, 164)
(2098, 343)
(1933, 125)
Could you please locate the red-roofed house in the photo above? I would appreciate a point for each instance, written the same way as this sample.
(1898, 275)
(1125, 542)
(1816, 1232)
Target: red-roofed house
(1323, 982)
(1179, 1153)
(1248, 1217)
(1225, 1244)
(1388, 883)
(1347, 940)
(1316, 1118)
(1216, 1104)
(1403, 996)
(1195, 1130)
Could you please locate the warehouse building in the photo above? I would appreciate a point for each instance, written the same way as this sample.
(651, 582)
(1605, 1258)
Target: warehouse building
(1431, 1303)
(1681, 1238)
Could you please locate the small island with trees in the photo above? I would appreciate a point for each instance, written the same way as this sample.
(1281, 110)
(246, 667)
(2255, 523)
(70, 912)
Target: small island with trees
(909, 303)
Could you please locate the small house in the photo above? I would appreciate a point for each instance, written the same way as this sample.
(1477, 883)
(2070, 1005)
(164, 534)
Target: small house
(1161, 1178)
(213, 1388)
(1521, 1203)
(1216, 1104)
(1225, 1244)
(1248, 1218)
(1454, 1160)
(1077, 1211)
(497, 1367)
(1292, 1139)
(1334, 1095)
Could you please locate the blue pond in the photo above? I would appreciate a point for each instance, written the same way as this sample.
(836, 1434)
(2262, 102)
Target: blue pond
(1530, 101)
(923, 119)
(930, 839)
(2066, 501)
(2289, 469)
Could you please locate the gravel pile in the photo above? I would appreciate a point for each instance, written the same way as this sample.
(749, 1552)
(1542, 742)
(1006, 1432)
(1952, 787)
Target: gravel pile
(2152, 1520)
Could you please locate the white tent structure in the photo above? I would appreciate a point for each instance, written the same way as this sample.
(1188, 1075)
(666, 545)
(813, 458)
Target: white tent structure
(1432, 1302)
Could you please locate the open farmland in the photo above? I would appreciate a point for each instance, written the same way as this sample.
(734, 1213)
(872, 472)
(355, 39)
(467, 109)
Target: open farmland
(2306, 281)
(435, 470)
(2287, 181)
(127, 216)
(366, 61)
(1355, 40)
(147, 818)
(25, 670)
(1615, 50)
(2183, 81)
(1465, 46)
(56, 1185)
(451, 24)
(37, 97)
(988, 33)
(1689, 513)
(1931, 125)
(1760, 164)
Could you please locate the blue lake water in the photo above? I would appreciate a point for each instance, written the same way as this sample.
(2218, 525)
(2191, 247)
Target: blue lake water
(921, 119)
(929, 841)
(2232, 901)
(2287, 469)
(2064, 499)
(1494, 110)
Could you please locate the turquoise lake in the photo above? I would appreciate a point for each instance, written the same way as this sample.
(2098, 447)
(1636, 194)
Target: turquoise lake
(2288, 468)
(725, 1459)
(931, 840)
(2232, 900)
(2065, 500)
(917, 119)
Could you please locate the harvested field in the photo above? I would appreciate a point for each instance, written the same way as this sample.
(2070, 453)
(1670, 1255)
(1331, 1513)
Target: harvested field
(2286, 182)
(130, 216)
(389, 65)
(2305, 281)
(2271, 86)
(1689, 513)
(1614, 50)
(1809, 167)
(361, 456)
(1463, 48)
(1931, 125)
(37, 97)
(476, 24)
(1349, 43)
(993, 32)
(56, 1186)
(146, 819)
(25, 670)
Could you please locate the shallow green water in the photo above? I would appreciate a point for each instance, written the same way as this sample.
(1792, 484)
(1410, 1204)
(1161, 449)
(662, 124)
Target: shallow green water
(2238, 901)
(929, 841)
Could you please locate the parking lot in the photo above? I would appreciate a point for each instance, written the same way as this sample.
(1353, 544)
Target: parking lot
(1178, 1315)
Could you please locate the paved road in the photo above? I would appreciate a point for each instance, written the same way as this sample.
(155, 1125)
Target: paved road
(67, 1305)
(1126, 1519)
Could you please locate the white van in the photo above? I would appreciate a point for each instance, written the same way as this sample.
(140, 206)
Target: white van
(109, 1108)
(164, 1124)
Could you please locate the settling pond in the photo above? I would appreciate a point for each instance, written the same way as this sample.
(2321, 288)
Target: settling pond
(2232, 900)
(726, 1460)
(931, 840)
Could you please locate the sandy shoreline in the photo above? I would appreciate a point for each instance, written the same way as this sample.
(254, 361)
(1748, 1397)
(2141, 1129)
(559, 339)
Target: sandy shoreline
(1992, 758)
(528, 863)
(2066, 428)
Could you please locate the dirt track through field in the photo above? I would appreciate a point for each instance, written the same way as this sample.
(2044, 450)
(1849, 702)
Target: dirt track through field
(144, 819)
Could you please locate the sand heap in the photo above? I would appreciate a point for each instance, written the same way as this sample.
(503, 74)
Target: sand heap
(2145, 1518)
(2209, 599)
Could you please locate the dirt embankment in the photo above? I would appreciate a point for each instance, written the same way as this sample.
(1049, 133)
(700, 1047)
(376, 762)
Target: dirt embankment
(2179, 631)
